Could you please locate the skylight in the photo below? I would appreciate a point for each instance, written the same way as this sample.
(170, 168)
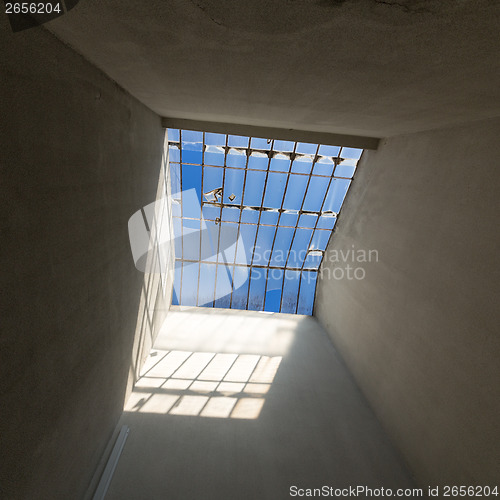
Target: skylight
(252, 218)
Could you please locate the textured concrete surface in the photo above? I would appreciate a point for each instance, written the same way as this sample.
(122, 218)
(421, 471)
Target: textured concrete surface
(420, 332)
(363, 67)
(206, 440)
(78, 157)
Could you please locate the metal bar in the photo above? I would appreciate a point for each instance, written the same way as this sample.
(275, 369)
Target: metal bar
(267, 209)
(201, 214)
(302, 204)
(292, 159)
(249, 150)
(220, 217)
(241, 212)
(286, 134)
(261, 170)
(182, 228)
(249, 282)
(259, 266)
(296, 226)
(254, 224)
(260, 213)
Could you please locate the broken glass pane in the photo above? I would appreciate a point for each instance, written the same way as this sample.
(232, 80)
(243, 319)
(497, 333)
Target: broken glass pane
(269, 217)
(290, 291)
(191, 191)
(302, 165)
(346, 168)
(299, 247)
(281, 248)
(258, 161)
(352, 153)
(273, 290)
(257, 289)
(215, 139)
(173, 135)
(237, 141)
(236, 158)
(328, 150)
(245, 243)
(259, 143)
(307, 291)
(280, 163)
(214, 156)
(254, 188)
(265, 236)
(306, 148)
(174, 153)
(207, 280)
(336, 194)
(316, 193)
(289, 218)
(295, 190)
(176, 295)
(233, 185)
(224, 285)
(230, 214)
(191, 239)
(275, 187)
(285, 146)
(324, 166)
(240, 288)
(326, 222)
(249, 216)
(189, 290)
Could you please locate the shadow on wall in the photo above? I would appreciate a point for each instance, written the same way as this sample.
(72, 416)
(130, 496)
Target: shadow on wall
(157, 264)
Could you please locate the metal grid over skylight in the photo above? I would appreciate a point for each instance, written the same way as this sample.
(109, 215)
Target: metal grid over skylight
(252, 218)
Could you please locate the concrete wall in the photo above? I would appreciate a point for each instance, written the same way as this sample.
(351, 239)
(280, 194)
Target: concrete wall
(363, 67)
(78, 157)
(420, 332)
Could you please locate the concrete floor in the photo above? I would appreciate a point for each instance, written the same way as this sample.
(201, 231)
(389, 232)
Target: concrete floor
(241, 404)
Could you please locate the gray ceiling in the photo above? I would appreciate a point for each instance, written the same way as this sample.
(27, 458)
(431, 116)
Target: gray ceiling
(364, 67)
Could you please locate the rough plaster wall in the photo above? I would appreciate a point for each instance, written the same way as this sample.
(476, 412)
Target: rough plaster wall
(420, 332)
(78, 157)
(363, 67)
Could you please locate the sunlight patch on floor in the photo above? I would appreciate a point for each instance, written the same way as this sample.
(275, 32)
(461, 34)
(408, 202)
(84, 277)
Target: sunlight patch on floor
(204, 384)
